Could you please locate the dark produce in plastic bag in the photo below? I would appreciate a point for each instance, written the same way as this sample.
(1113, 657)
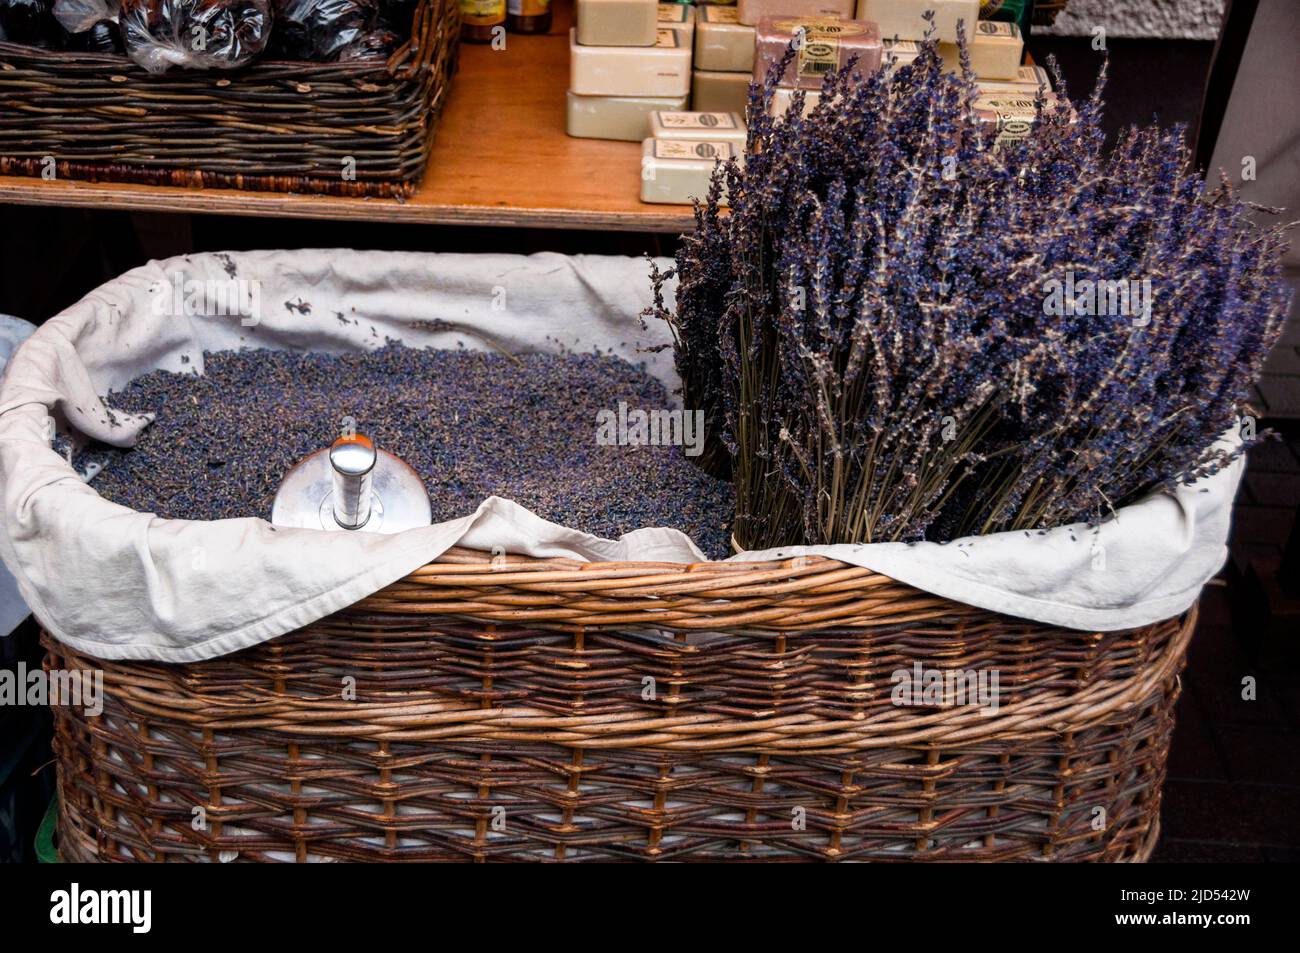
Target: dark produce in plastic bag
(27, 21)
(195, 34)
(397, 15)
(81, 16)
(103, 37)
(373, 46)
(319, 30)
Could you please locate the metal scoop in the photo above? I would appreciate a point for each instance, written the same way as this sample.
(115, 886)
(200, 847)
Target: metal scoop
(352, 485)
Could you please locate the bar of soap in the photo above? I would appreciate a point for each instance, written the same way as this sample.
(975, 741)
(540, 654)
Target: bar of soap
(751, 11)
(625, 118)
(827, 44)
(660, 70)
(675, 171)
(995, 51)
(722, 42)
(679, 17)
(1012, 114)
(711, 126)
(1027, 77)
(617, 22)
(783, 97)
(903, 18)
(712, 91)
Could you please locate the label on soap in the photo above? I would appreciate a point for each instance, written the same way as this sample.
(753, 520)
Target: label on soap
(672, 13)
(666, 38)
(697, 121)
(720, 14)
(995, 28)
(820, 28)
(692, 149)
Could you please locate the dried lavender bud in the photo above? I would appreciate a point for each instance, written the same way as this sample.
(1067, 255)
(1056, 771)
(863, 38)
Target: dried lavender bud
(471, 423)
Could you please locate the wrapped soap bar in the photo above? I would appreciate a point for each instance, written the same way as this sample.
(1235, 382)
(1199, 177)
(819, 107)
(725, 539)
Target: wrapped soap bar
(319, 30)
(711, 126)
(1026, 78)
(626, 118)
(1012, 114)
(722, 42)
(160, 34)
(617, 22)
(905, 19)
(995, 51)
(713, 91)
(826, 44)
(660, 70)
(675, 171)
(751, 11)
(679, 17)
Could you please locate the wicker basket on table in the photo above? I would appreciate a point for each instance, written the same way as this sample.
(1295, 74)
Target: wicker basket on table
(354, 128)
(529, 709)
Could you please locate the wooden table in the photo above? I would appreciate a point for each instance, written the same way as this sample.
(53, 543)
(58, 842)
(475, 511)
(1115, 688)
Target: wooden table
(500, 157)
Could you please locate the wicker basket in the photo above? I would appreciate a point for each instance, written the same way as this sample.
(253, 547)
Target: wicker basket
(273, 126)
(553, 710)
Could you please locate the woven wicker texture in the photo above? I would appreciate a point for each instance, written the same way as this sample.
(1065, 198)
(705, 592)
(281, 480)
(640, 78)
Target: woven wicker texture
(274, 126)
(540, 709)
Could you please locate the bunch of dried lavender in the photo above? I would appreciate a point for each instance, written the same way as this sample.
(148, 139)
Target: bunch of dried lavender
(903, 331)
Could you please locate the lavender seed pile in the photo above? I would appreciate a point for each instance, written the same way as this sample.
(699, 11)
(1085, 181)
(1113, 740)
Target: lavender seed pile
(472, 424)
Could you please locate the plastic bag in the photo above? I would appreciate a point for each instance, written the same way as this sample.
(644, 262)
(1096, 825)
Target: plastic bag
(103, 37)
(26, 21)
(195, 34)
(319, 30)
(79, 16)
(373, 46)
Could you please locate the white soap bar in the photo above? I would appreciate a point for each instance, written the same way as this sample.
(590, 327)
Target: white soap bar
(617, 22)
(1030, 77)
(720, 127)
(995, 51)
(660, 70)
(783, 96)
(679, 17)
(675, 171)
(712, 91)
(722, 42)
(903, 18)
(751, 11)
(625, 118)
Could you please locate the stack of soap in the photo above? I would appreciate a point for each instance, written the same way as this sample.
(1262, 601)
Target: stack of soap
(627, 59)
(678, 159)
(724, 58)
